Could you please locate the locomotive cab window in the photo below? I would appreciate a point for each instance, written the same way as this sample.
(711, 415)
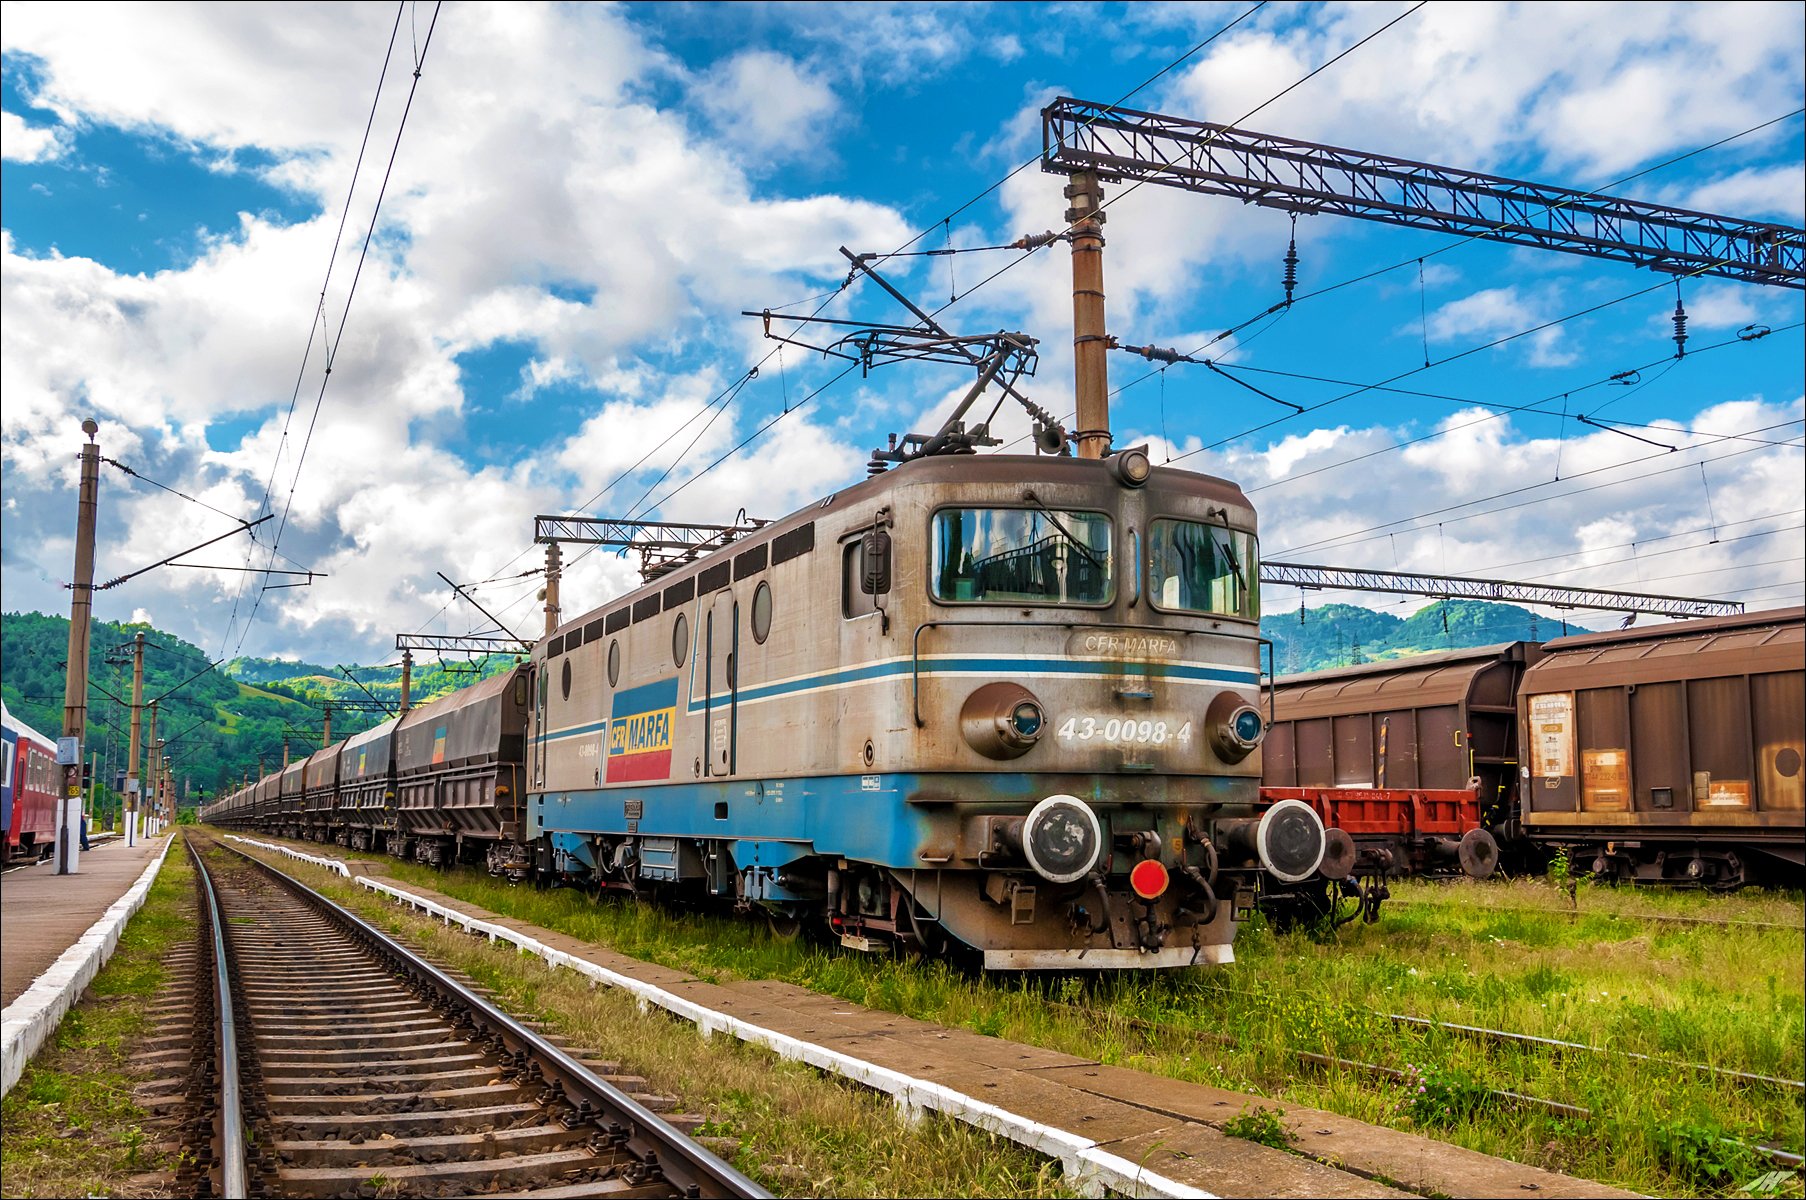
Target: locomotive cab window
(1021, 556)
(1194, 567)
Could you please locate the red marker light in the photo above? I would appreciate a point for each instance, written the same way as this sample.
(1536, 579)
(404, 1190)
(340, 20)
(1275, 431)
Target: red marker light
(1149, 879)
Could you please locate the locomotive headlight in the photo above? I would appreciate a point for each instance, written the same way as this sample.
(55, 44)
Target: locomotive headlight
(1236, 726)
(1002, 720)
(1131, 467)
(1061, 839)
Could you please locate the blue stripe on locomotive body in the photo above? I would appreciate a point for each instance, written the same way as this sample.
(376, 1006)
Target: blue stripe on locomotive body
(894, 820)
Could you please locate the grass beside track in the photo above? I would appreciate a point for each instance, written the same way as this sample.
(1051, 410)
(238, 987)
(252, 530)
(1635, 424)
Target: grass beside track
(1727, 997)
(70, 1126)
(800, 1133)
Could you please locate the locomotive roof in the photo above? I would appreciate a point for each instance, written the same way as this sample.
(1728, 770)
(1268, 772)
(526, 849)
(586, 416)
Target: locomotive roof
(942, 469)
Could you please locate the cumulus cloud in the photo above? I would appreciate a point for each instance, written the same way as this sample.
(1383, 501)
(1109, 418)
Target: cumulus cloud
(1500, 312)
(20, 142)
(767, 103)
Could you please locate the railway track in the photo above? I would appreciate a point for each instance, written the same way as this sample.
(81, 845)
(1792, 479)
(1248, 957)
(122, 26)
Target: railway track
(351, 1066)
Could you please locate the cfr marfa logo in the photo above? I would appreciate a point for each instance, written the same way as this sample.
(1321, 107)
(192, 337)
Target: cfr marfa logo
(639, 732)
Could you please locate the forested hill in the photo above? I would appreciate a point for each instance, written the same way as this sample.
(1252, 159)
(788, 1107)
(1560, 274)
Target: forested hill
(1342, 635)
(221, 722)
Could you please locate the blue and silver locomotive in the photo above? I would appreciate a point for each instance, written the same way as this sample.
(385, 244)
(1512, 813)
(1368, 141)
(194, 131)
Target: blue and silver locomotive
(1005, 703)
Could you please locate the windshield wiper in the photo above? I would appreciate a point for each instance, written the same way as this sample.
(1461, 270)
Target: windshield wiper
(1065, 532)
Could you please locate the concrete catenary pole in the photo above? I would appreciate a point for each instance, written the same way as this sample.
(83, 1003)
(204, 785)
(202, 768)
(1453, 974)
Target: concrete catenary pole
(152, 773)
(554, 563)
(75, 681)
(326, 731)
(407, 678)
(1090, 339)
(132, 785)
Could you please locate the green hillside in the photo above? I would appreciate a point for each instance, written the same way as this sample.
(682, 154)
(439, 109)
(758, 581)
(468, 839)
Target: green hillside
(221, 723)
(1342, 635)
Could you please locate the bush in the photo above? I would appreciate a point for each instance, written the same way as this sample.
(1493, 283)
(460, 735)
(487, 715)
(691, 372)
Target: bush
(1442, 1096)
(1263, 1125)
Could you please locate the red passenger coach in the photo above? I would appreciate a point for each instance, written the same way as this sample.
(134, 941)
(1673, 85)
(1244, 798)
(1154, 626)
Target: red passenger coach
(30, 781)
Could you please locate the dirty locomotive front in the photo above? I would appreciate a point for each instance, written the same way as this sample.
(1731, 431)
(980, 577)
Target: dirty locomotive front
(1011, 704)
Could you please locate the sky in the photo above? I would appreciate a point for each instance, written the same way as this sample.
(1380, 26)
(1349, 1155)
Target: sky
(523, 236)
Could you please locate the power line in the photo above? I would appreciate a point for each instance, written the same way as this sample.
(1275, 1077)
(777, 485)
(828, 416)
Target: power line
(1355, 537)
(317, 319)
(332, 348)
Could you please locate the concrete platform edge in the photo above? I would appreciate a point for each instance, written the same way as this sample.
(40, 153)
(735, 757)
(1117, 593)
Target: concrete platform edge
(28, 1021)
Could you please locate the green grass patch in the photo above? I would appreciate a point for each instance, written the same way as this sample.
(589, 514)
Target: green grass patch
(70, 1127)
(1732, 997)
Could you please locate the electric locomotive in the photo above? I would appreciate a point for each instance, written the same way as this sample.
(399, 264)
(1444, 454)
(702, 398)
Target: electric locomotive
(1010, 703)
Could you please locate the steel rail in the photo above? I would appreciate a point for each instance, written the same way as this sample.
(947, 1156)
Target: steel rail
(234, 1183)
(624, 1122)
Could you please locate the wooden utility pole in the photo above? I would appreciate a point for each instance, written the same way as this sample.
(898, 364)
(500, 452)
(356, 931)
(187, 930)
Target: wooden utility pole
(554, 563)
(75, 682)
(1090, 339)
(132, 784)
(407, 678)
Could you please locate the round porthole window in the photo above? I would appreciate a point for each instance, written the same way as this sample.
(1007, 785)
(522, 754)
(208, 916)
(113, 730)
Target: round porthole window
(761, 613)
(614, 662)
(680, 639)
(564, 679)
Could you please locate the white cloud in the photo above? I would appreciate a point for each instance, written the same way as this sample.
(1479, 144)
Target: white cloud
(1778, 191)
(767, 103)
(20, 142)
(1499, 312)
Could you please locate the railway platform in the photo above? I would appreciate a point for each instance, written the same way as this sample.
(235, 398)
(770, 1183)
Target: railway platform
(1166, 1126)
(43, 913)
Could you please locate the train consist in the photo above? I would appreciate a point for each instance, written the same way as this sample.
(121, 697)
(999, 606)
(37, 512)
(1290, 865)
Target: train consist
(1669, 754)
(1006, 703)
(28, 787)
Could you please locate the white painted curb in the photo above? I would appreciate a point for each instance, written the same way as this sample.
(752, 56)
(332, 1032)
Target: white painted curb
(331, 864)
(29, 1020)
(1089, 1167)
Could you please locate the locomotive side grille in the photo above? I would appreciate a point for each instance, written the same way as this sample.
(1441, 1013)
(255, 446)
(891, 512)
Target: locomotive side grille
(681, 592)
(646, 606)
(795, 544)
(617, 620)
(713, 579)
(751, 562)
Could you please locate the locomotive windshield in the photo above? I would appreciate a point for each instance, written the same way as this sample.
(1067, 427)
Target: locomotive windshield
(1018, 555)
(1200, 568)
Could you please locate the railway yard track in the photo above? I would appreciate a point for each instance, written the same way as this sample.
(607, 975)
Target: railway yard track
(363, 1069)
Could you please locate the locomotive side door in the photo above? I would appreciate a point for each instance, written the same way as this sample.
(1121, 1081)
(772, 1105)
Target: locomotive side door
(721, 645)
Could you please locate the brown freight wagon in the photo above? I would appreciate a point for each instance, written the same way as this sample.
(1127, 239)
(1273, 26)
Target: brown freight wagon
(289, 787)
(1671, 753)
(1433, 721)
(458, 774)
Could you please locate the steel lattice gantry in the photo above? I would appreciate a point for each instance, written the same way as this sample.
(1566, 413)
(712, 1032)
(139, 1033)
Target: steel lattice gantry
(1303, 177)
(1461, 587)
(663, 545)
(439, 643)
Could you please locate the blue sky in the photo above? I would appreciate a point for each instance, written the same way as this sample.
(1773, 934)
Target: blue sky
(585, 198)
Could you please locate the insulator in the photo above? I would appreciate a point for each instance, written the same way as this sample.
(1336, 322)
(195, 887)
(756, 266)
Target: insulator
(1680, 329)
(1291, 280)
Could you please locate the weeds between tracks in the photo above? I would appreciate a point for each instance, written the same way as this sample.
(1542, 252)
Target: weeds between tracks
(1732, 997)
